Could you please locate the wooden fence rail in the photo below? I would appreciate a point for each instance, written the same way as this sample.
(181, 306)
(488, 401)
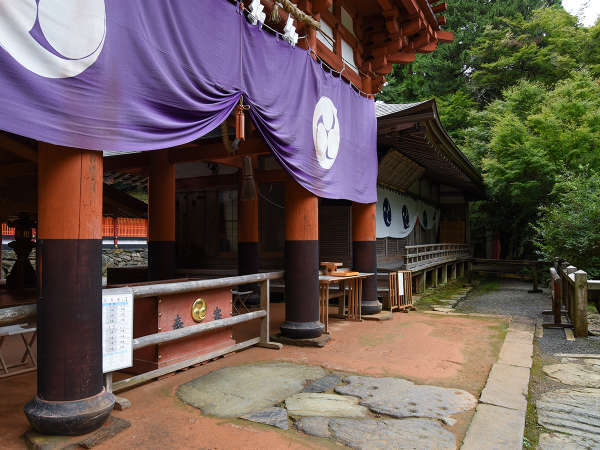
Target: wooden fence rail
(263, 279)
(430, 254)
(509, 266)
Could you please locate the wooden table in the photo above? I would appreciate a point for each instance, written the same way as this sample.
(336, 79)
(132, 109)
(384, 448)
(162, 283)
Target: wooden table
(353, 286)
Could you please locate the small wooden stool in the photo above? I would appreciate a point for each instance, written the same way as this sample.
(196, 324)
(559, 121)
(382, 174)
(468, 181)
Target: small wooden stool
(14, 330)
(238, 303)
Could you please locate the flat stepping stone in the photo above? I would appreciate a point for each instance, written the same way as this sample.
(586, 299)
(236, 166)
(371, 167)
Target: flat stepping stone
(495, 427)
(507, 386)
(240, 390)
(324, 384)
(326, 405)
(401, 398)
(381, 433)
(555, 441)
(275, 416)
(444, 309)
(572, 411)
(587, 375)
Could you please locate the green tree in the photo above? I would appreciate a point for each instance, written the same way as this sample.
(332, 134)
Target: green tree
(568, 228)
(522, 142)
(448, 68)
(545, 48)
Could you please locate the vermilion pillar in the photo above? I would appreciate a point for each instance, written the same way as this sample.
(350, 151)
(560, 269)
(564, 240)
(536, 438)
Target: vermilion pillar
(248, 261)
(70, 398)
(364, 253)
(301, 264)
(161, 217)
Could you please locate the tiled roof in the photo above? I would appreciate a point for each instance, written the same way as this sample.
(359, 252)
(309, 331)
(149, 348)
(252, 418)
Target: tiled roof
(385, 109)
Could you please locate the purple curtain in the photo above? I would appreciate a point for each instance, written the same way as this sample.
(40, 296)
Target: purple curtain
(147, 74)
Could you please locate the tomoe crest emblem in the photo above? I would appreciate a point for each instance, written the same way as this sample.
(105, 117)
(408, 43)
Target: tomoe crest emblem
(74, 32)
(326, 132)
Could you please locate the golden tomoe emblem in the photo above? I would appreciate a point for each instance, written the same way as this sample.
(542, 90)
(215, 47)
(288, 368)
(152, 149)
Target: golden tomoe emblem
(199, 310)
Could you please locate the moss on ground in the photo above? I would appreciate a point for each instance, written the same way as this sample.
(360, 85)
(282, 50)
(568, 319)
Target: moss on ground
(436, 296)
(532, 428)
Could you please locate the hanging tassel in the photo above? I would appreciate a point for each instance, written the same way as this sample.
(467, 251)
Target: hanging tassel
(240, 121)
(275, 17)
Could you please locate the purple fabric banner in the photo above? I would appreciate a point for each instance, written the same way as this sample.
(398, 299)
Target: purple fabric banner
(140, 75)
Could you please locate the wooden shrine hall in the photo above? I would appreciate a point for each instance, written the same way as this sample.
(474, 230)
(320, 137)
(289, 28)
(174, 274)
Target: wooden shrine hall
(228, 193)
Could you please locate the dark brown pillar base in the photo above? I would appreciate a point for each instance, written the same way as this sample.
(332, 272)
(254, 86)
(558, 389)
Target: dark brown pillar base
(69, 418)
(364, 259)
(302, 290)
(248, 264)
(161, 260)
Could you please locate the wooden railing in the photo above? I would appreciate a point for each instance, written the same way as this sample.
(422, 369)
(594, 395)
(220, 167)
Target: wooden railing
(509, 267)
(27, 313)
(570, 294)
(423, 256)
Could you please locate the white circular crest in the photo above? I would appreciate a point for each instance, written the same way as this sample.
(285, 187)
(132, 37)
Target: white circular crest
(326, 132)
(76, 29)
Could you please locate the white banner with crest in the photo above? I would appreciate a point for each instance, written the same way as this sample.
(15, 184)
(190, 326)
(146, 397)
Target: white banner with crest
(397, 214)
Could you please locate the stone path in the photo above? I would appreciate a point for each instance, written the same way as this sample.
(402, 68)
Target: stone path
(499, 420)
(360, 412)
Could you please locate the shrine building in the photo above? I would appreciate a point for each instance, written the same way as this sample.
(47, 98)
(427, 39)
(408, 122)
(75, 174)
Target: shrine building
(254, 130)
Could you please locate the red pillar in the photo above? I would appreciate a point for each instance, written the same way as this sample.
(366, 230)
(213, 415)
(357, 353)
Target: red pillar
(161, 217)
(70, 397)
(301, 264)
(364, 253)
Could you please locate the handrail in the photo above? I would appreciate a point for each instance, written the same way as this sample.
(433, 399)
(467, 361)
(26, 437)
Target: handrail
(155, 290)
(17, 314)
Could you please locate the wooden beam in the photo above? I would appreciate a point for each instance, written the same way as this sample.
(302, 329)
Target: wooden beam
(439, 8)
(444, 36)
(16, 170)
(18, 148)
(125, 162)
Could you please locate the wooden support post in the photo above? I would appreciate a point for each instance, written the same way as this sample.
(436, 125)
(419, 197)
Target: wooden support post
(301, 264)
(581, 304)
(534, 268)
(453, 271)
(422, 282)
(265, 325)
(470, 272)
(71, 399)
(445, 274)
(434, 277)
(248, 261)
(161, 217)
(364, 253)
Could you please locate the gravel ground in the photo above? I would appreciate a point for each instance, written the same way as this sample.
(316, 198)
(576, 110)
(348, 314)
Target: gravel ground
(510, 299)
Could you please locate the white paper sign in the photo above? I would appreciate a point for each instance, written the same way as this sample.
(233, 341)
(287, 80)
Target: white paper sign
(117, 329)
(400, 283)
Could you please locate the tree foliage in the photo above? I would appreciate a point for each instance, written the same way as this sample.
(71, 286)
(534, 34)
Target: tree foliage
(568, 228)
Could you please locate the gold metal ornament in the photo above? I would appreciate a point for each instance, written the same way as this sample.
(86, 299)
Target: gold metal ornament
(199, 310)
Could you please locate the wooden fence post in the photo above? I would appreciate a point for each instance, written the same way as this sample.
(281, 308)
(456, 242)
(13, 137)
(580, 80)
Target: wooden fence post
(568, 291)
(535, 289)
(581, 304)
(265, 305)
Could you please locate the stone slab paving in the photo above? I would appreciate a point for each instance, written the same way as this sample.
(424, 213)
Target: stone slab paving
(239, 390)
(276, 417)
(587, 375)
(572, 411)
(401, 398)
(495, 427)
(499, 421)
(327, 383)
(506, 386)
(328, 405)
(555, 441)
(381, 433)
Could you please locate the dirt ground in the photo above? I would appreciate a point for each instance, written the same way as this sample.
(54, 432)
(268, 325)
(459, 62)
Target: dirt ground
(446, 351)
